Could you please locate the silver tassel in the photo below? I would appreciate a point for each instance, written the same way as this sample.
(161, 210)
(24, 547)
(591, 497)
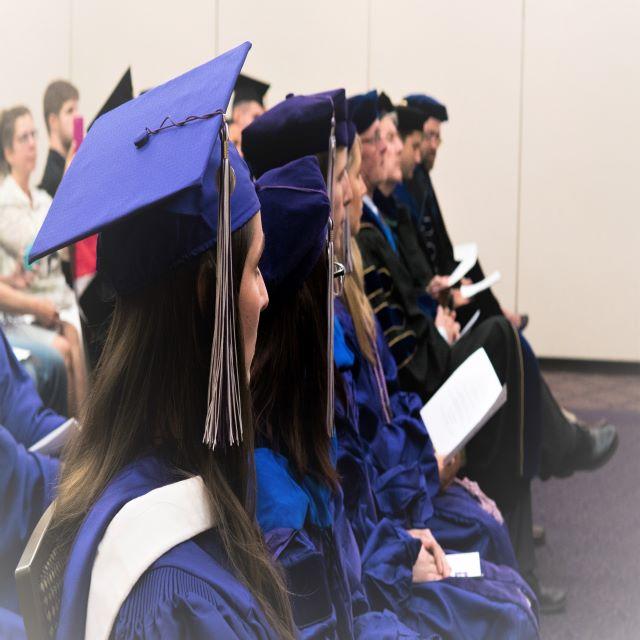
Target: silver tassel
(330, 258)
(224, 405)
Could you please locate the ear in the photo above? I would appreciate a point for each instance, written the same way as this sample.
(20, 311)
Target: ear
(52, 119)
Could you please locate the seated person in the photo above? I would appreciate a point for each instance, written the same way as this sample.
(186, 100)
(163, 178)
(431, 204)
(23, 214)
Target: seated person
(178, 446)
(60, 108)
(417, 192)
(247, 105)
(27, 480)
(22, 211)
(300, 504)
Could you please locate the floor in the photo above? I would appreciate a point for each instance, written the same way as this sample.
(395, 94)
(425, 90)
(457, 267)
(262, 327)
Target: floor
(592, 520)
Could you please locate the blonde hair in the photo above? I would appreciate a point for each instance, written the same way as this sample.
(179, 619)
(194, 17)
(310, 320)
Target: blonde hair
(359, 307)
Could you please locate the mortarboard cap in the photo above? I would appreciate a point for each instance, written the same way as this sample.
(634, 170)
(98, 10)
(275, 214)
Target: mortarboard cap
(249, 90)
(339, 99)
(295, 212)
(363, 110)
(147, 179)
(296, 127)
(122, 93)
(384, 104)
(409, 119)
(428, 105)
(111, 179)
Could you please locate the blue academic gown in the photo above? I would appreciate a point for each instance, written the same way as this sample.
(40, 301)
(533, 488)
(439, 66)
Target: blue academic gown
(402, 449)
(27, 480)
(189, 592)
(308, 534)
(499, 605)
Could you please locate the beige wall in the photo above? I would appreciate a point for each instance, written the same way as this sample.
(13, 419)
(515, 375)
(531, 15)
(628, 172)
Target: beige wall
(539, 160)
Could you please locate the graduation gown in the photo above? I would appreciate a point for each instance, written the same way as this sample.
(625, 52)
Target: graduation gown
(398, 446)
(499, 605)
(189, 592)
(495, 456)
(307, 532)
(434, 244)
(27, 480)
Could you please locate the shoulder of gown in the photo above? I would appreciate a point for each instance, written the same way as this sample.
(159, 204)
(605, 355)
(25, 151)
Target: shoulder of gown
(174, 599)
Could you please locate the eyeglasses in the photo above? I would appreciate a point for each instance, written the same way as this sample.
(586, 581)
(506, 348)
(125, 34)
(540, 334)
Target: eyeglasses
(24, 138)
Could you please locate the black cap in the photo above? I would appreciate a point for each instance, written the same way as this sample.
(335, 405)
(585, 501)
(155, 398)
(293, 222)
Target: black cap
(122, 93)
(384, 104)
(409, 119)
(249, 90)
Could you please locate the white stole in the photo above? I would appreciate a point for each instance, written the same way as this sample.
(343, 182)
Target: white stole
(143, 530)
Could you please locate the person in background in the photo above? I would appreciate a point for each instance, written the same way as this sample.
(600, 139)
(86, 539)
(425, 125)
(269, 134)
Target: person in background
(27, 479)
(418, 193)
(247, 105)
(46, 311)
(545, 442)
(184, 268)
(60, 109)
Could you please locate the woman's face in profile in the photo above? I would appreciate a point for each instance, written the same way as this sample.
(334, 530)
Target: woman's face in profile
(253, 298)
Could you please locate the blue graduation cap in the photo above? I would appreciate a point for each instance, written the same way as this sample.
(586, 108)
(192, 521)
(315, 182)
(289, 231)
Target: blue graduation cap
(295, 212)
(296, 127)
(428, 105)
(363, 110)
(153, 177)
(339, 99)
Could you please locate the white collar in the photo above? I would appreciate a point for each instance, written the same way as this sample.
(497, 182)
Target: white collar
(371, 204)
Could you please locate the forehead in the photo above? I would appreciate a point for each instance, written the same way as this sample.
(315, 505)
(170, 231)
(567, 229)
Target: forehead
(432, 124)
(387, 125)
(23, 122)
(69, 104)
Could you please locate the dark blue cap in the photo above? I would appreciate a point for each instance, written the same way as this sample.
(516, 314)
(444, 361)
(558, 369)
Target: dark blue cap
(296, 127)
(363, 110)
(409, 119)
(146, 178)
(428, 105)
(295, 212)
(339, 99)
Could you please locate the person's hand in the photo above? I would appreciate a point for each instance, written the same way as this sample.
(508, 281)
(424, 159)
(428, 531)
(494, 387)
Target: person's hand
(448, 468)
(458, 299)
(425, 569)
(19, 278)
(431, 563)
(446, 322)
(437, 285)
(46, 314)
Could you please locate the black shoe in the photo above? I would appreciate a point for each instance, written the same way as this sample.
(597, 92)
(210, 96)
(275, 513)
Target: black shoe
(597, 446)
(550, 599)
(539, 535)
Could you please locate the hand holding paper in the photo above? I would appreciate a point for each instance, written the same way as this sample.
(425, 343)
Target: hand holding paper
(464, 403)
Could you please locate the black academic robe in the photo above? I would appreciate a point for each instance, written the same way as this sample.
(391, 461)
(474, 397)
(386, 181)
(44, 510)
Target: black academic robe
(53, 172)
(425, 360)
(436, 246)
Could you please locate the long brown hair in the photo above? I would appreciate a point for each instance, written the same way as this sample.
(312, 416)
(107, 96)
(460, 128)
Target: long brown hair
(289, 377)
(150, 389)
